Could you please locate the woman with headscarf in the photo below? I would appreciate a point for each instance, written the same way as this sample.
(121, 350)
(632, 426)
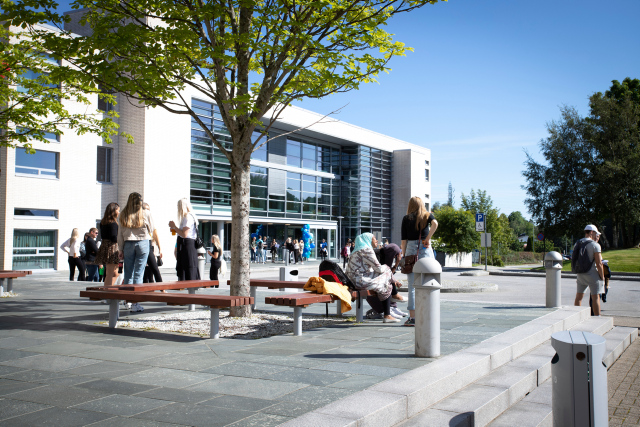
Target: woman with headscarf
(366, 272)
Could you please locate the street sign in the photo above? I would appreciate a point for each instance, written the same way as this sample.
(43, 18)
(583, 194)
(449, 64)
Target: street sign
(480, 219)
(485, 240)
(541, 237)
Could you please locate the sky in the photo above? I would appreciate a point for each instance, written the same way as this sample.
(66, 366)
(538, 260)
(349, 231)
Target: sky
(485, 78)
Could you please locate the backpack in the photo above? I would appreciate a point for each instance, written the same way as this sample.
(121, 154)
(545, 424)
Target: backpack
(83, 250)
(344, 252)
(580, 262)
(331, 272)
(260, 244)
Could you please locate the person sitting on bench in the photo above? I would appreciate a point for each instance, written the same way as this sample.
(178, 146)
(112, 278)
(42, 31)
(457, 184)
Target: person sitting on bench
(366, 272)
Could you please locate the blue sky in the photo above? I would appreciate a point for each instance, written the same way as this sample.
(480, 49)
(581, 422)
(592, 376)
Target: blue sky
(486, 77)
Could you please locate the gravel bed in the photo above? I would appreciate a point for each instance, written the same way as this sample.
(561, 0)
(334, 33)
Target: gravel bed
(9, 294)
(198, 322)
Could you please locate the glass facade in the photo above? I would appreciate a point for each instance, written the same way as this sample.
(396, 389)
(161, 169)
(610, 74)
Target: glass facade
(356, 191)
(33, 249)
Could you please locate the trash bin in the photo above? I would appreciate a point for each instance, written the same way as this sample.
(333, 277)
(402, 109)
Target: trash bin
(553, 267)
(202, 259)
(579, 380)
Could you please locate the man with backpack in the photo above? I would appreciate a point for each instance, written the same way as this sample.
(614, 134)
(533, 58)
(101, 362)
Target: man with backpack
(586, 262)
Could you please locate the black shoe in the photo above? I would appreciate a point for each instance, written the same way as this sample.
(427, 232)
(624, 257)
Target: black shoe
(604, 297)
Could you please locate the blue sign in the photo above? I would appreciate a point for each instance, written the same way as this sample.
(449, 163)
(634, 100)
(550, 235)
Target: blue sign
(479, 217)
(541, 237)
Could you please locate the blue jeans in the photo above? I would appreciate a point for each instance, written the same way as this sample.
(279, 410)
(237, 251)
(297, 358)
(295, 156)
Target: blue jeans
(412, 247)
(92, 273)
(136, 253)
(260, 255)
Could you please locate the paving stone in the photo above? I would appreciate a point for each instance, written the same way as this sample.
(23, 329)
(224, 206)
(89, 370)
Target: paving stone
(261, 420)
(130, 422)
(369, 408)
(63, 348)
(17, 343)
(115, 387)
(248, 387)
(195, 415)
(37, 376)
(11, 386)
(353, 368)
(291, 409)
(9, 370)
(316, 394)
(7, 354)
(320, 420)
(50, 362)
(121, 354)
(395, 362)
(246, 403)
(357, 382)
(194, 362)
(118, 404)
(164, 377)
(12, 408)
(246, 369)
(178, 395)
(66, 417)
(307, 376)
(58, 395)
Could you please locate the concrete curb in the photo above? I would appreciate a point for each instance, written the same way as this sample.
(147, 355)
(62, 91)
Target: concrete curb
(626, 278)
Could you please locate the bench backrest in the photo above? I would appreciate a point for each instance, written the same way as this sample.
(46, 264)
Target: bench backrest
(161, 286)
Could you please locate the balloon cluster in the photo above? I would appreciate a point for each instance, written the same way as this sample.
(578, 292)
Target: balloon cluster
(307, 237)
(258, 232)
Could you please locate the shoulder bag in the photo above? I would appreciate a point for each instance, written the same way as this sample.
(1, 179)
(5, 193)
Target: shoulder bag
(199, 243)
(407, 262)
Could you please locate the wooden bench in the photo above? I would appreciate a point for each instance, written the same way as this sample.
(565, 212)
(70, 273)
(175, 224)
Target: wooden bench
(305, 299)
(9, 275)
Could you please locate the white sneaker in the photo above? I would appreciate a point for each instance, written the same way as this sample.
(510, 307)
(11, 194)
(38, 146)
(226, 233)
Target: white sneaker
(396, 310)
(395, 315)
(127, 305)
(136, 308)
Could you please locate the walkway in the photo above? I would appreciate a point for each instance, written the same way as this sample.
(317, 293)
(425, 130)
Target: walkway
(624, 382)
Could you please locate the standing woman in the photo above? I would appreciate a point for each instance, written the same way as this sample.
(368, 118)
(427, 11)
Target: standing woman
(134, 234)
(418, 225)
(108, 253)
(301, 250)
(290, 247)
(216, 258)
(72, 247)
(151, 271)
(186, 252)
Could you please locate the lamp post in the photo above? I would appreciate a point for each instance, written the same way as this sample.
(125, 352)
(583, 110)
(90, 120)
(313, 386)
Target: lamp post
(340, 218)
(533, 238)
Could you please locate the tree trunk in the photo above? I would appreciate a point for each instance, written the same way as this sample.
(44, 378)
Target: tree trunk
(240, 187)
(614, 228)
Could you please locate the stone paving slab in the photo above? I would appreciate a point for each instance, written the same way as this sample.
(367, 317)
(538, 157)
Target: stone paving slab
(624, 385)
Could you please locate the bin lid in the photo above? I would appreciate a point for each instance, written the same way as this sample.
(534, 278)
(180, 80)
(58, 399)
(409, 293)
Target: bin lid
(577, 337)
(553, 256)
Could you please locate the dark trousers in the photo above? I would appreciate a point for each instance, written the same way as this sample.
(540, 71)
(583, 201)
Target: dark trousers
(297, 256)
(345, 260)
(92, 273)
(151, 271)
(73, 263)
(383, 306)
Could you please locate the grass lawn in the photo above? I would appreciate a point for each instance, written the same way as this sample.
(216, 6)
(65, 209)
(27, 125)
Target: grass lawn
(627, 260)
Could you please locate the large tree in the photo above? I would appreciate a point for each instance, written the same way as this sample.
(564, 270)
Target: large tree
(39, 97)
(252, 58)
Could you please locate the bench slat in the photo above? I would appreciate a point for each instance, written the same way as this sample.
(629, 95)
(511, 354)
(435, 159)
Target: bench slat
(218, 301)
(168, 286)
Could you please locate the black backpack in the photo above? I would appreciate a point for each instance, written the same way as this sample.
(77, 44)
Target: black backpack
(260, 244)
(580, 262)
(330, 271)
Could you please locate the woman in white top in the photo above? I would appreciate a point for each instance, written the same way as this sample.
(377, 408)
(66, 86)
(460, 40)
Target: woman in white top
(72, 247)
(135, 231)
(187, 255)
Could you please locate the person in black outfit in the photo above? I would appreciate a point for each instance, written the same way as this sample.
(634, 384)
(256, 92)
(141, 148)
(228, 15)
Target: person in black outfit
(290, 247)
(109, 254)
(216, 258)
(151, 270)
(186, 253)
(91, 249)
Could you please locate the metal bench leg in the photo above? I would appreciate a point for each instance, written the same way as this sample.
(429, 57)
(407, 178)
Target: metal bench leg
(1, 287)
(252, 291)
(192, 307)
(215, 323)
(338, 308)
(9, 284)
(297, 321)
(114, 312)
(359, 309)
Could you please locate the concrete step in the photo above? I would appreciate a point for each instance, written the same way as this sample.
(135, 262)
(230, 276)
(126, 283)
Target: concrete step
(488, 397)
(535, 408)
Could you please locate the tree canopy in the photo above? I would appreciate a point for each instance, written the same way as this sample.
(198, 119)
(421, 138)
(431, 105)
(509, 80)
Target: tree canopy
(592, 168)
(40, 97)
(251, 58)
(456, 230)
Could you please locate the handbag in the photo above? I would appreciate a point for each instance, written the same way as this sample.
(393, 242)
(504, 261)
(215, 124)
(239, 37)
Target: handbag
(407, 262)
(199, 243)
(159, 262)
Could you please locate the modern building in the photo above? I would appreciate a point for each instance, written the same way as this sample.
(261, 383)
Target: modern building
(338, 178)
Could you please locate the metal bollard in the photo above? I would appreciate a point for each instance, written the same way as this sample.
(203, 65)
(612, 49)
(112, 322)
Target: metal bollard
(427, 279)
(202, 259)
(553, 267)
(579, 380)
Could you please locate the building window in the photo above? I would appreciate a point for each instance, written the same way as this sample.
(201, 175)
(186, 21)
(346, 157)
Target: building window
(260, 153)
(103, 167)
(426, 162)
(426, 206)
(41, 164)
(35, 213)
(52, 137)
(30, 74)
(103, 104)
(34, 249)
(426, 174)
(426, 197)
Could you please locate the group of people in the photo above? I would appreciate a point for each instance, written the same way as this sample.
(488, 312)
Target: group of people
(82, 256)
(596, 277)
(366, 271)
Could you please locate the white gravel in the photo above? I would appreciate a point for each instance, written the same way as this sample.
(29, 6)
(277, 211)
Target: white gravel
(9, 294)
(198, 322)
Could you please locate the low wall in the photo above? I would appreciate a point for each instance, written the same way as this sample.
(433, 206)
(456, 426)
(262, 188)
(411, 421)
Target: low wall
(460, 259)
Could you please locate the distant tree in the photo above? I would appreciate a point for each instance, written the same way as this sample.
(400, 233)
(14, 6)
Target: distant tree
(518, 224)
(497, 224)
(529, 244)
(436, 207)
(451, 199)
(456, 230)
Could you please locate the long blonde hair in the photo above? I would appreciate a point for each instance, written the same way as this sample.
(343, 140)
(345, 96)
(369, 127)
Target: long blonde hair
(216, 242)
(184, 208)
(132, 216)
(417, 207)
(74, 236)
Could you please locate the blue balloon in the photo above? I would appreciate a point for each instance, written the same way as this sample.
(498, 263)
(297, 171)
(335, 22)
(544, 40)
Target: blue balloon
(312, 245)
